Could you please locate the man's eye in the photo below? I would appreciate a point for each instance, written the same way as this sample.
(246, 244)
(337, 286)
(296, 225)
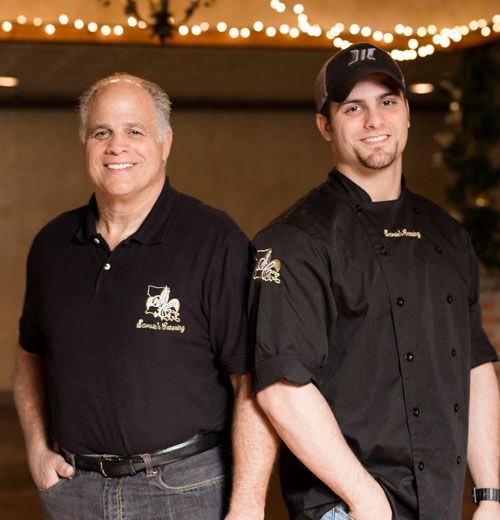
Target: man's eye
(388, 102)
(101, 133)
(135, 132)
(354, 108)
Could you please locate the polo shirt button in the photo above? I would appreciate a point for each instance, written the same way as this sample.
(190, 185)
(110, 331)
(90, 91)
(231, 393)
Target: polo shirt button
(400, 301)
(359, 208)
(459, 460)
(416, 411)
(416, 211)
(421, 466)
(453, 352)
(449, 298)
(409, 356)
(438, 249)
(383, 250)
(107, 266)
(455, 407)
(96, 240)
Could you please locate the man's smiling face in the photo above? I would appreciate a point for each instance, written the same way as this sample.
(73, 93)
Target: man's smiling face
(124, 153)
(368, 131)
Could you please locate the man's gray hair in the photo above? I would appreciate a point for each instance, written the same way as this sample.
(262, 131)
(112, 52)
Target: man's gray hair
(158, 95)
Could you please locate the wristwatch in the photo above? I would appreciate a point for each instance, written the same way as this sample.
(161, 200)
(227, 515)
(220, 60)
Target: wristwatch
(479, 494)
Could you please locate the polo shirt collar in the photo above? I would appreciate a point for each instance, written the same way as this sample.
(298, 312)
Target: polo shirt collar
(151, 231)
(349, 191)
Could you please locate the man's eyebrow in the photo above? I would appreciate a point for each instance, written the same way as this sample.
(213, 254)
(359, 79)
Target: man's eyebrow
(93, 128)
(382, 96)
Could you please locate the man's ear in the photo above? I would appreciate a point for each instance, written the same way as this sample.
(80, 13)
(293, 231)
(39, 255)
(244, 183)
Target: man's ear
(324, 127)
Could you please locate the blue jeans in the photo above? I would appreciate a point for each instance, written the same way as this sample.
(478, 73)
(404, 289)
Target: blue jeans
(190, 489)
(339, 512)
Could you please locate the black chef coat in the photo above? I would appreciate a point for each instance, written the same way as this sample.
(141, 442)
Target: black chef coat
(377, 304)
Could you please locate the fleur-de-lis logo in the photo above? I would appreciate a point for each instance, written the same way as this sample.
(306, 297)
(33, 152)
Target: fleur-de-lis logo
(267, 269)
(160, 305)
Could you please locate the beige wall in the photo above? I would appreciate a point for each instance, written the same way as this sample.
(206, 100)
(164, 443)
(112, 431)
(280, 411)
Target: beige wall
(251, 163)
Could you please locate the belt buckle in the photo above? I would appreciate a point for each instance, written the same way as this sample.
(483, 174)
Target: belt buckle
(107, 459)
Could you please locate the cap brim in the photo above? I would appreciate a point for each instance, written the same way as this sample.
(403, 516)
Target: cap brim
(356, 77)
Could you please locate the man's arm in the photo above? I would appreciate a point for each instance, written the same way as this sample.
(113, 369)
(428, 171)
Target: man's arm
(304, 420)
(484, 436)
(46, 466)
(255, 445)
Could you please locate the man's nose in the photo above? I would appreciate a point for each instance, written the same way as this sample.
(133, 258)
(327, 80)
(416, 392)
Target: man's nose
(373, 117)
(116, 144)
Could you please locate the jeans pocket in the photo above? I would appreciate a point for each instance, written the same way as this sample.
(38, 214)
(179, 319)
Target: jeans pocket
(341, 514)
(54, 487)
(198, 471)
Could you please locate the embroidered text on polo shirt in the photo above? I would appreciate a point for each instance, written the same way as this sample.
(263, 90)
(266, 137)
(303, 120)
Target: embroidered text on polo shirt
(160, 305)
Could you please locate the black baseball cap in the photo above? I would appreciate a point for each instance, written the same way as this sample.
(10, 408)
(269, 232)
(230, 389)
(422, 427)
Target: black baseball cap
(342, 71)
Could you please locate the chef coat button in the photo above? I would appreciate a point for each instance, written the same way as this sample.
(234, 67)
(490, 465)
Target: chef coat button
(96, 240)
(453, 352)
(358, 208)
(438, 249)
(421, 466)
(416, 411)
(400, 301)
(459, 460)
(416, 211)
(107, 266)
(383, 250)
(455, 407)
(409, 356)
(449, 298)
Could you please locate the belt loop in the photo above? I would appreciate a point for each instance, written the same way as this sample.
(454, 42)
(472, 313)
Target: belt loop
(148, 465)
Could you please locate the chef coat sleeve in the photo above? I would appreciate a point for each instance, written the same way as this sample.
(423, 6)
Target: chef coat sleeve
(291, 306)
(31, 336)
(482, 351)
(227, 302)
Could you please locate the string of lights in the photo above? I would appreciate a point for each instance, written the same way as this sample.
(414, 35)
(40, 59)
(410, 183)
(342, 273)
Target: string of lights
(404, 42)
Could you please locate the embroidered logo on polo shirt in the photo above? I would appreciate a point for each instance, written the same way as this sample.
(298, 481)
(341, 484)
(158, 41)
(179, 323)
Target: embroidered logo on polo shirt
(400, 233)
(267, 269)
(161, 306)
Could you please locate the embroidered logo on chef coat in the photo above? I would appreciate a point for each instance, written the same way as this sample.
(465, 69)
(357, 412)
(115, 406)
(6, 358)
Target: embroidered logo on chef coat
(266, 268)
(400, 233)
(162, 307)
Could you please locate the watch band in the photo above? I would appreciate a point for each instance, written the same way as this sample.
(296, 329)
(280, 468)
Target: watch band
(479, 494)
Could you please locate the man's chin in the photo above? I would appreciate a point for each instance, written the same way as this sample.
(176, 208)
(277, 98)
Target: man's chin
(377, 160)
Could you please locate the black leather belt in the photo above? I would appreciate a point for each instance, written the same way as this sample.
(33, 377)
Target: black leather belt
(116, 466)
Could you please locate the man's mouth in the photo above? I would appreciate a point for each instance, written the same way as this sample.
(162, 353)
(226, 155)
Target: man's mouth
(375, 139)
(119, 166)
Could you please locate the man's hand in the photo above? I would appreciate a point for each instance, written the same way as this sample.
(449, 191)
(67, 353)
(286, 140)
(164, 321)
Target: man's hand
(373, 505)
(487, 510)
(48, 467)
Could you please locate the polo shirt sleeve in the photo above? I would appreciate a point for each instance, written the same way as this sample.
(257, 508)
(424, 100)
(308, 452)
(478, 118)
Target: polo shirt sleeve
(31, 337)
(482, 351)
(292, 309)
(228, 290)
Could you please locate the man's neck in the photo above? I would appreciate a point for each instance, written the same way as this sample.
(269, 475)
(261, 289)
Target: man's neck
(120, 217)
(381, 185)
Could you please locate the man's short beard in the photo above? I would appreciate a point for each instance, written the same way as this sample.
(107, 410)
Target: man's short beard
(377, 160)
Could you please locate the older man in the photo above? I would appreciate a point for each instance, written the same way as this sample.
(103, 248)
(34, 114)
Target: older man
(365, 304)
(133, 332)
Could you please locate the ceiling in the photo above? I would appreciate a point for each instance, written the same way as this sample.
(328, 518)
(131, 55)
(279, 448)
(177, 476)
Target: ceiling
(54, 72)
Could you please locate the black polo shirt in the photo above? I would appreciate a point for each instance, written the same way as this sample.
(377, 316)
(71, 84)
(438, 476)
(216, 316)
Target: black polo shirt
(139, 341)
(377, 304)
